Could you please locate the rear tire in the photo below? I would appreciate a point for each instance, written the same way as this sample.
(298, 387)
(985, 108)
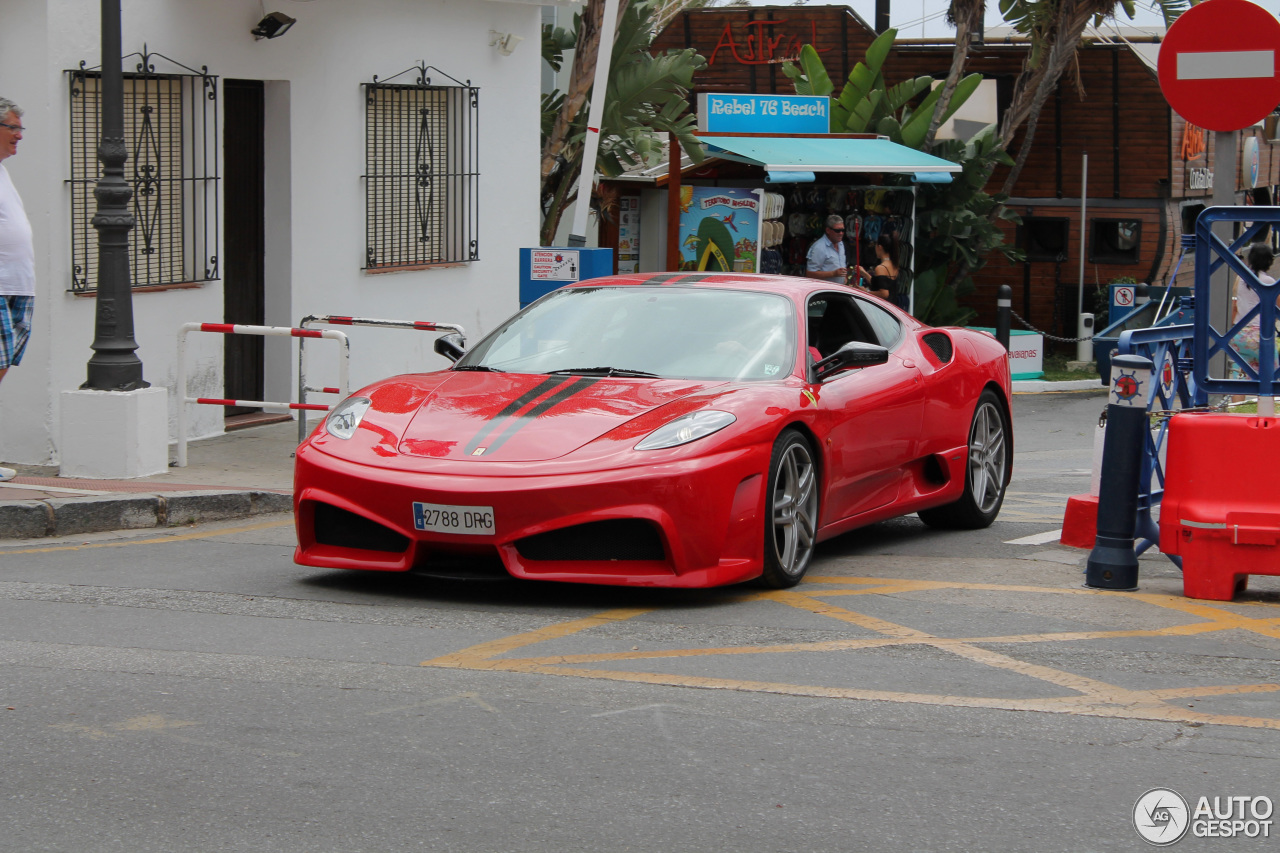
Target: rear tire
(986, 471)
(791, 512)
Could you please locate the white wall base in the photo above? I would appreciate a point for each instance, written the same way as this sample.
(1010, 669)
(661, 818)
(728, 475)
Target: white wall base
(114, 435)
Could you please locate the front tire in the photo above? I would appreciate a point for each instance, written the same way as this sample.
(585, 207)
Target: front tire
(986, 471)
(791, 518)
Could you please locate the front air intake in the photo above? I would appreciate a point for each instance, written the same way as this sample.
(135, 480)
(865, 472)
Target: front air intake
(334, 526)
(616, 539)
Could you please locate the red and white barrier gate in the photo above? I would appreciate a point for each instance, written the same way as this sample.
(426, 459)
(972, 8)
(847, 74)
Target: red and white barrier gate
(344, 368)
(332, 320)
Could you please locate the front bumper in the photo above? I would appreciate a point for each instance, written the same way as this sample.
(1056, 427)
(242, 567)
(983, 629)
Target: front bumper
(707, 511)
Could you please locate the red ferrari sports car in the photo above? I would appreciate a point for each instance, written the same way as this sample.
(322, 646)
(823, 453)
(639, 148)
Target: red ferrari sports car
(671, 429)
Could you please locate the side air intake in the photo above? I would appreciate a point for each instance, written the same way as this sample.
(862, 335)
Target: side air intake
(940, 343)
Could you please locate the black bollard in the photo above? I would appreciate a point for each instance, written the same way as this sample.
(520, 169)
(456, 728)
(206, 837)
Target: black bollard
(1113, 563)
(1004, 307)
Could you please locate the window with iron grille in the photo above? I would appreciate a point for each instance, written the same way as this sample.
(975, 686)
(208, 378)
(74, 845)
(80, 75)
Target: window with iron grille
(421, 173)
(170, 132)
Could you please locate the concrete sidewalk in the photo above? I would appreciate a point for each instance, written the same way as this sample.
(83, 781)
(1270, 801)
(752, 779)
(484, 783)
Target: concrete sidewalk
(239, 474)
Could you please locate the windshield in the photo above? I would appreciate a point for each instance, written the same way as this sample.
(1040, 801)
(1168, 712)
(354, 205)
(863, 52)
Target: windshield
(673, 332)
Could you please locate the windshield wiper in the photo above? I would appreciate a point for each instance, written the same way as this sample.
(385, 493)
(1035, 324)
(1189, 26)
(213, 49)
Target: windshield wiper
(606, 371)
(479, 367)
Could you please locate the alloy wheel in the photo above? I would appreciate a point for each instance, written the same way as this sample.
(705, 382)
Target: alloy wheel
(795, 504)
(987, 457)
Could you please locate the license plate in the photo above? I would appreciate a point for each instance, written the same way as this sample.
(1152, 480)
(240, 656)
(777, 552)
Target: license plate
(442, 518)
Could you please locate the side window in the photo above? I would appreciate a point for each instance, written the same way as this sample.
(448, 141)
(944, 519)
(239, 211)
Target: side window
(887, 328)
(1116, 241)
(833, 321)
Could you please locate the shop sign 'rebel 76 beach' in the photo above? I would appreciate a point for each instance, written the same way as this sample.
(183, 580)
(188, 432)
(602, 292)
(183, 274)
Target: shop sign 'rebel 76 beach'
(722, 113)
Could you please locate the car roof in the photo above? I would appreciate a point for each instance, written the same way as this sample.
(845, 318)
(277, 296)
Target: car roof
(789, 285)
(797, 288)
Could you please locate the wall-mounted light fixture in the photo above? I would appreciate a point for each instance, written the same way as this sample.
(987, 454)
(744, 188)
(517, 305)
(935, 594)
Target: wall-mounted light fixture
(273, 26)
(504, 42)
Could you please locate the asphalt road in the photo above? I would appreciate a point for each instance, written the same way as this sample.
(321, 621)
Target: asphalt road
(196, 691)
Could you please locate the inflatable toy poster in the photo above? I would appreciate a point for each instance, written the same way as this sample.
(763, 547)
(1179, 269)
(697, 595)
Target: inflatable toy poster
(629, 234)
(719, 229)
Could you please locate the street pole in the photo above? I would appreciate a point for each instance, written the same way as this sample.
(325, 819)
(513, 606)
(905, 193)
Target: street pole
(114, 365)
(595, 114)
(1224, 195)
(1004, 306)
(1113, 563)
(1084, 324)
(1084, 227)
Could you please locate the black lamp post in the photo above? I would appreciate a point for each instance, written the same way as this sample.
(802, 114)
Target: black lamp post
(114, 365)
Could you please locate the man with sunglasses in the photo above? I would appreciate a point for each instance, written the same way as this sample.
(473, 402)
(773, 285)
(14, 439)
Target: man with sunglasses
(826, 256)
(17, 255)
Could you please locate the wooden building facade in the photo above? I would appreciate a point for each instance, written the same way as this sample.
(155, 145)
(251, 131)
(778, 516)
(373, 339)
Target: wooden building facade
(1149, 172)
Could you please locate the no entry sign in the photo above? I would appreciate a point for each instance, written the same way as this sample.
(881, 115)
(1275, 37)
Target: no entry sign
(1220, 64)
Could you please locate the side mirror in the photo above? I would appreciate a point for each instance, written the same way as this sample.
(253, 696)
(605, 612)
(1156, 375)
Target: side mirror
(851, 355)
(452, 347)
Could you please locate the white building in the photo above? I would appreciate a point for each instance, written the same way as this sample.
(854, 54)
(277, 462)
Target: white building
(312, 173)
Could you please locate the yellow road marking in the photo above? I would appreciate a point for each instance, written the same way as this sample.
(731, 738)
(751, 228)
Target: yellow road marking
(803, 601)
(836, 646)
(1089, 696)
(1220, 690)
(180, 537)
(1223, 618)
(468, 657)
(1154, 710)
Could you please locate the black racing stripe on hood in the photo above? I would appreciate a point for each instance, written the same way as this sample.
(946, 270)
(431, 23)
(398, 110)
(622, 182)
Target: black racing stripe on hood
(664, 278)
(548, 384)
(690, 277)
(558, 397)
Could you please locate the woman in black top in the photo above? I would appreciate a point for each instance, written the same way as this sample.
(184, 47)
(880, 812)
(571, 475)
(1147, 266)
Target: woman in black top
(882, 280)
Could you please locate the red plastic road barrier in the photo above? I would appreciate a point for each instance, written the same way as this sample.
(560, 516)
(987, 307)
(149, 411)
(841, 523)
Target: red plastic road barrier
(253, 404)
(236, 329)
(1221, 509)
(1080, 523)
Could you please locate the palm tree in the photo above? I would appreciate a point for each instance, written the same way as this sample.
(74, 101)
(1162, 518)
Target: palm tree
(966, 17)
(647, 98)
(1054, 28)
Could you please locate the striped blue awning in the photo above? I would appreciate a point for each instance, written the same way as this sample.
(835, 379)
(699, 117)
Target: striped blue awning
(829, 154)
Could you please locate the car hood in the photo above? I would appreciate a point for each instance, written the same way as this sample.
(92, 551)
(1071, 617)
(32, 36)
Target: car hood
(512, 417)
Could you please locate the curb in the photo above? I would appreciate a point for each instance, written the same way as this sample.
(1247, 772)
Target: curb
(1036, 386)
(102, 513)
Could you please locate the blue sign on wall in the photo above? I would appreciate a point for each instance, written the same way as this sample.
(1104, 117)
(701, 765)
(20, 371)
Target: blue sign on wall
(722, 113)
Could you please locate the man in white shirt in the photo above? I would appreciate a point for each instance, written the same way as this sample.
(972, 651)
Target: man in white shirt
(17, 255)
(826, 256)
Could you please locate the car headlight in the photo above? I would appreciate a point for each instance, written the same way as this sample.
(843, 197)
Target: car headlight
(685, 429)
(346, 416)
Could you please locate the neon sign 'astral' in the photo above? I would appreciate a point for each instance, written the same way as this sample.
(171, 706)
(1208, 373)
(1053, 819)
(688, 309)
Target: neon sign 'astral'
(754, 46)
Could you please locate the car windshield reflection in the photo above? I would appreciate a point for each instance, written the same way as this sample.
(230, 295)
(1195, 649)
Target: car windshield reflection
(669, 332)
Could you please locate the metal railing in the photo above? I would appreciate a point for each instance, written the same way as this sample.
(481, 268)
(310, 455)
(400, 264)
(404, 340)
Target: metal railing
(339, 320)
(1180, 353)
(1173, 389)
(344, 370)
(1211, 254)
